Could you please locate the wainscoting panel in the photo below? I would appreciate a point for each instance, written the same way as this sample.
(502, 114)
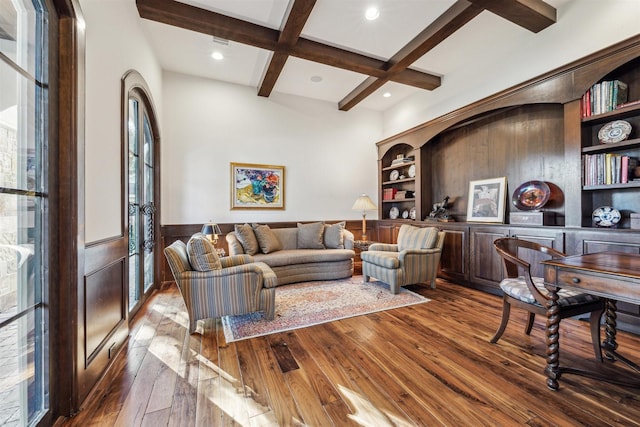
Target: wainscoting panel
(102, 311)
(104, 306)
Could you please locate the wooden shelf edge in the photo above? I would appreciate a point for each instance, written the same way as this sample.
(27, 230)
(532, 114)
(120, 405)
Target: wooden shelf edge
(399, 200)
(634, 184)
(611, 114)
(629, 143)
(399, 165)
(397, 181)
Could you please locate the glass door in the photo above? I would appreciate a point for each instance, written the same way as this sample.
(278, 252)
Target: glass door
(141, 203)
(24, 237)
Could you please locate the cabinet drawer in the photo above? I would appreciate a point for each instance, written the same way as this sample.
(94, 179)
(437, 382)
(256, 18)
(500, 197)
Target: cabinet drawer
(599, 285)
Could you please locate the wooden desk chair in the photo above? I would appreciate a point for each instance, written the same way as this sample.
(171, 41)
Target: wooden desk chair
(524, 291)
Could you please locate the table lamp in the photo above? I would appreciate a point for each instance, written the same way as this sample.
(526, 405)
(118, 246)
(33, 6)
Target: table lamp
(364, 204)
(211, 230)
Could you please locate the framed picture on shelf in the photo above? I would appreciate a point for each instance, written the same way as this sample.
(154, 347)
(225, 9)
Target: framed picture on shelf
(487, 198)
(257, 186)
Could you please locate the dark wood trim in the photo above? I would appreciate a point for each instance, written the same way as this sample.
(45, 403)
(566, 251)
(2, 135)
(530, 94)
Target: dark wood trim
(99, 254)
(67, 198)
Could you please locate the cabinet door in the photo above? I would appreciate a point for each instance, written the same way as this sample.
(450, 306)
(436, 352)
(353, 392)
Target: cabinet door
(486, 269)
(454, 261)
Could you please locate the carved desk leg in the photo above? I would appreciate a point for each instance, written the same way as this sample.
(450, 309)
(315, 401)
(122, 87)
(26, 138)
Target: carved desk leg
(552, 336)
(610, 345)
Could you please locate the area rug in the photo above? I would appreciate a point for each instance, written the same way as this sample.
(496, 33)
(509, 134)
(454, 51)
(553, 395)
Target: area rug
(312, 303)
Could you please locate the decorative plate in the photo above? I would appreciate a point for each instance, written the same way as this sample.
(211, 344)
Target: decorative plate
(394, 212)
(606, 216)
(405, 214)
(412, 213)
(531, 195)
(412, 171)
(394, 175)
(615, 131)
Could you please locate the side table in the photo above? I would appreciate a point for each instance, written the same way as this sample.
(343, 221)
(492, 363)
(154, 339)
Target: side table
(360, 246)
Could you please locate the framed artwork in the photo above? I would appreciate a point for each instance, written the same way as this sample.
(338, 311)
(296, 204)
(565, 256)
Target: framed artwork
(487, 199)
(257, 186)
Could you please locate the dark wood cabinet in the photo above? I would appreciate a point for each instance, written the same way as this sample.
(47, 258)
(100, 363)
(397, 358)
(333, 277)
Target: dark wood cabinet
(485, 264)
(454, 262)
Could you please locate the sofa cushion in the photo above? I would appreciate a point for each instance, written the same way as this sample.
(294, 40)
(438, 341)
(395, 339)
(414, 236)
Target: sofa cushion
(304, 256)
(310, 235)
(267, 240)
(202, 253)
(247, 238)
(411, 237)
(333, 237)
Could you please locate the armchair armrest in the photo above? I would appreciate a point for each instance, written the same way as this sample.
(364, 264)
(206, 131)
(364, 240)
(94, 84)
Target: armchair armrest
(408, 252)
(387, 247)
(233, 260)
(224, 272)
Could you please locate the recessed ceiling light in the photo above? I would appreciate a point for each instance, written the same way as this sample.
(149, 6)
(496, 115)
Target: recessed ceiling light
(387, 94)
(316, 79)
(217, 56)
(372, 13)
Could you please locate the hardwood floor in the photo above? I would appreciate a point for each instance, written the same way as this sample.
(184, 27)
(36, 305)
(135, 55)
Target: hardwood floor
(427, 364)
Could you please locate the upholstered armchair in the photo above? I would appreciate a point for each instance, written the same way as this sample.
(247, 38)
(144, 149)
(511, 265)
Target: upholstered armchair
(414, 259)
(236, 285)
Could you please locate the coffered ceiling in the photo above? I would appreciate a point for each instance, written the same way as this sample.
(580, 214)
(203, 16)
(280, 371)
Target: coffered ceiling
(326, 49)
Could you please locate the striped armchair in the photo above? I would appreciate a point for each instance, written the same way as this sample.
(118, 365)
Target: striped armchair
(414, 259)
(240, 286)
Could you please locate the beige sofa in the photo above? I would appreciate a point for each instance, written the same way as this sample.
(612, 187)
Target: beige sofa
(292, 263)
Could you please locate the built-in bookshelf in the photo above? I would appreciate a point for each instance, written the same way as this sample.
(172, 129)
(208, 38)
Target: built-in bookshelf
(610, 174)
(399, 171)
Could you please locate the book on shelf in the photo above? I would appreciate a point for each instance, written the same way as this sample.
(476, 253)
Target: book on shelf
(603, 97)
(607, 169)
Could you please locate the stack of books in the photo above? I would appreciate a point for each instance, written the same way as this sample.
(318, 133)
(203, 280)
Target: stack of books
(400, 160)
(608, 168)
(603, 97)
(389, 193)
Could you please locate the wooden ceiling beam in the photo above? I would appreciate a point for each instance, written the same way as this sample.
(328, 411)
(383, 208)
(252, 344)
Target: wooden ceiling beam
(534, 15)
(294, 22)
(204, 21)
(454, 18)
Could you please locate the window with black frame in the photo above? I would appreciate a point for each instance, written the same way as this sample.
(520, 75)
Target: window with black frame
(23, 212)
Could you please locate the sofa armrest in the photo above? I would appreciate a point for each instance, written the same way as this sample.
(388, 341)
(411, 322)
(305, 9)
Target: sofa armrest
(386, 247)
(348, 239)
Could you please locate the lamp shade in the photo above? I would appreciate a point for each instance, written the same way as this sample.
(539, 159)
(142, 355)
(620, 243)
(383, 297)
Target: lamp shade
(210, 228)
(364, 203)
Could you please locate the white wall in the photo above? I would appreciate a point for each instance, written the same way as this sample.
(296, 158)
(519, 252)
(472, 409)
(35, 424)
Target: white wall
(329, 156)
(115, 44)
(492, 64)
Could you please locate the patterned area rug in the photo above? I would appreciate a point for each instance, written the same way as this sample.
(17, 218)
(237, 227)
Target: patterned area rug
(312, 303)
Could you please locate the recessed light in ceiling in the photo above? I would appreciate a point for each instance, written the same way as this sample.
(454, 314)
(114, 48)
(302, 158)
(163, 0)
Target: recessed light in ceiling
(316, 79)
(217, 56)
(386, 94)
(372, 13)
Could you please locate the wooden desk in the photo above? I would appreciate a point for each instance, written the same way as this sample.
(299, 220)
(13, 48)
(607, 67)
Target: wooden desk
(614, 276)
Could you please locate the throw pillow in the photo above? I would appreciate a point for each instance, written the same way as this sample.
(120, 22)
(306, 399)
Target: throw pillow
(310, 235)
(411, 237)
(333, 237)
(247, 238)
(202, 254)
(267, 239)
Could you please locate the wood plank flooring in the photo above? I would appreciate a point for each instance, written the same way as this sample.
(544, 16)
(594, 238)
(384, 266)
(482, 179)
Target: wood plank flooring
(424, 365)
